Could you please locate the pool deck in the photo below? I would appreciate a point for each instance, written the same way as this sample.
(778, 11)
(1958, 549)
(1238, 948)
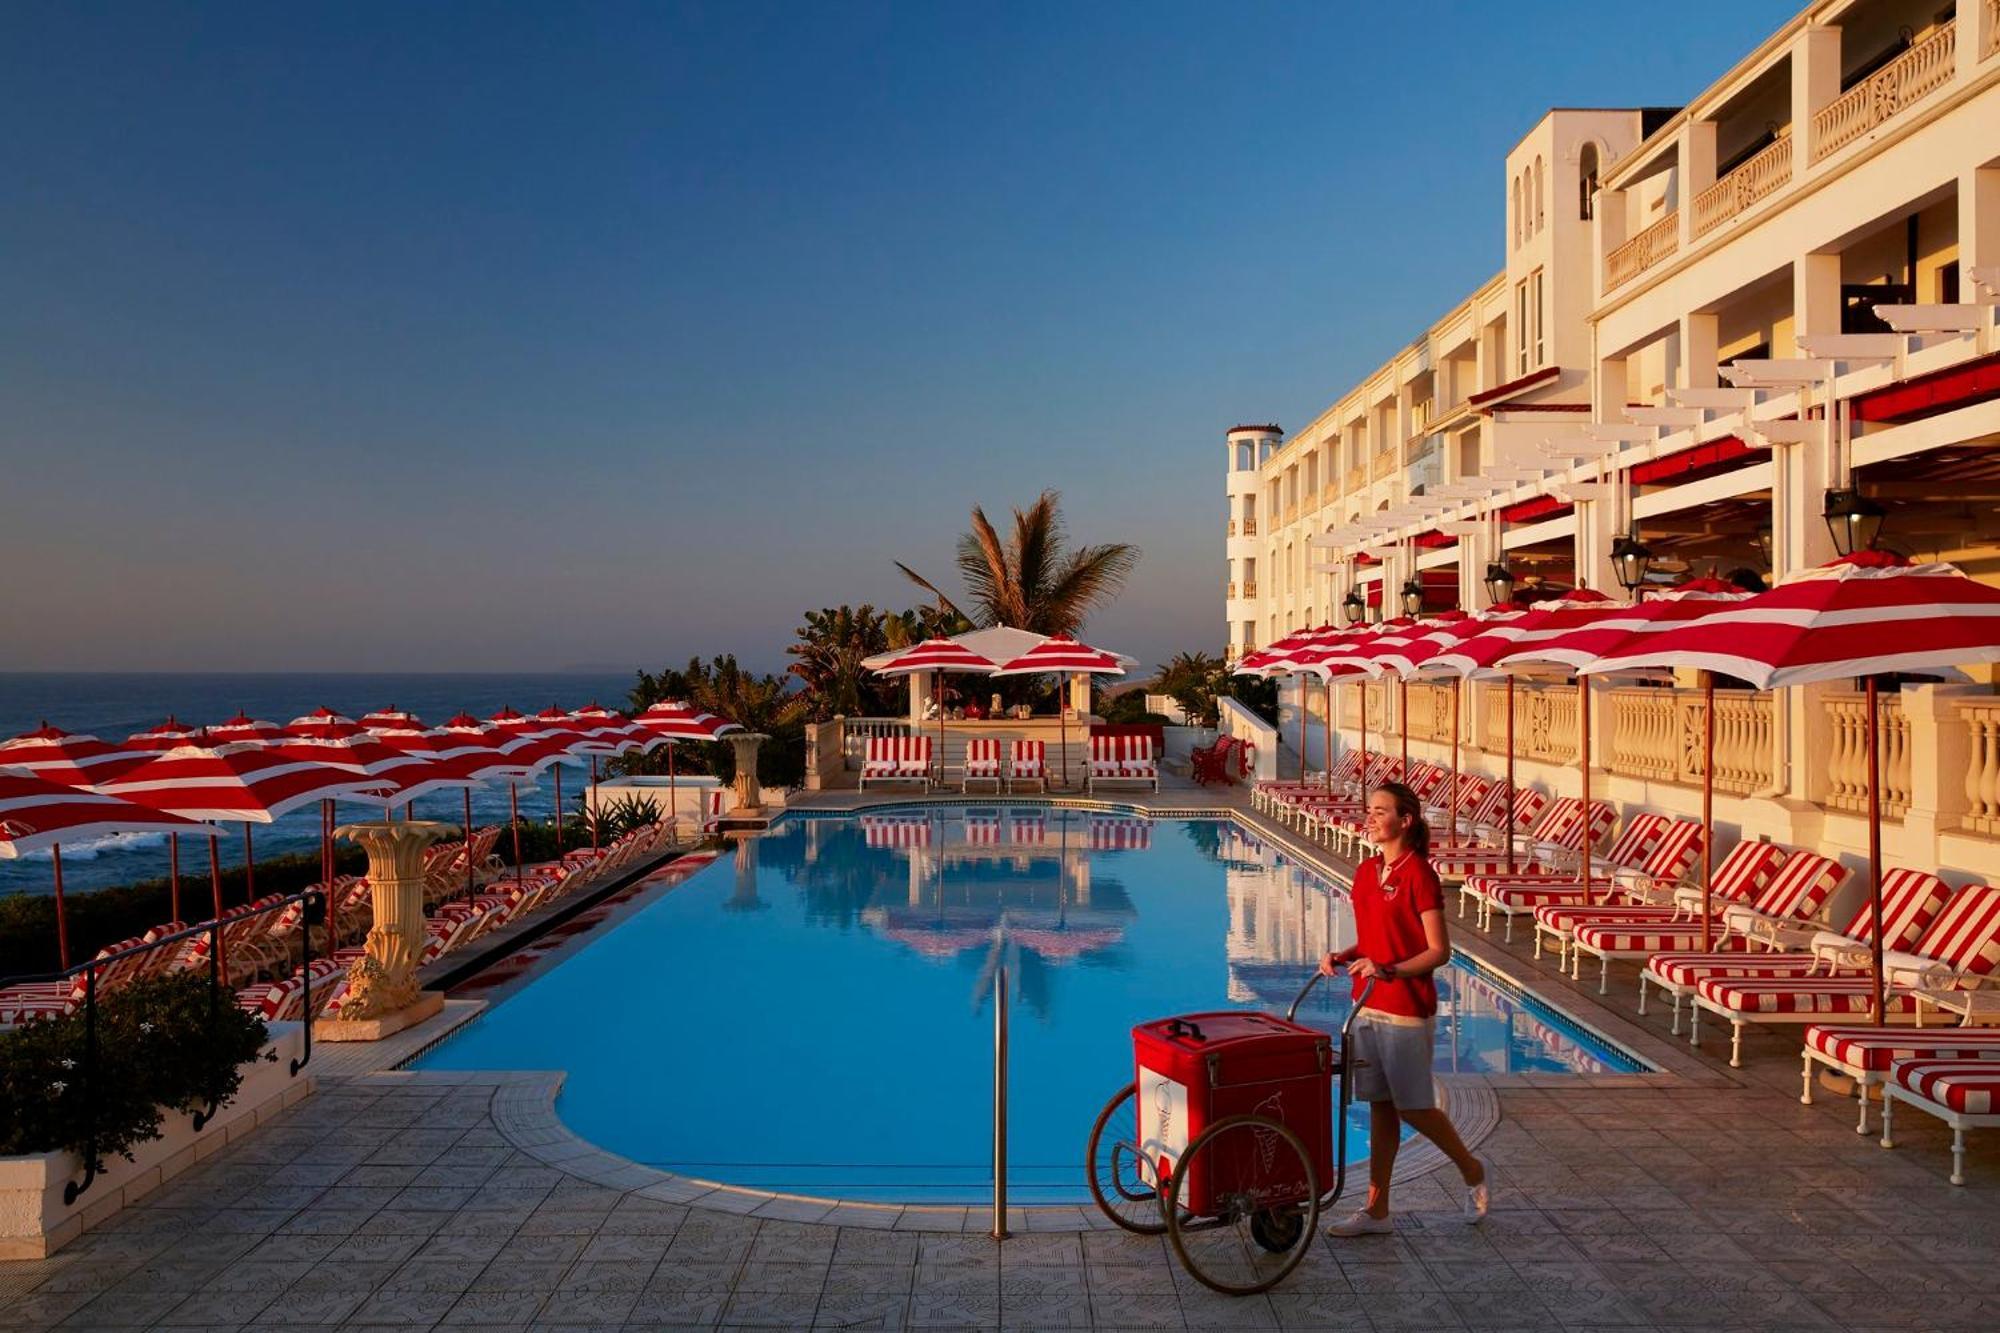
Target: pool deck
(1696, 1197)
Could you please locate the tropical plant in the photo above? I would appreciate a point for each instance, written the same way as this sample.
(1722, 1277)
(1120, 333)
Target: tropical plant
(758, 702)
(1198, 682)
(1032, 581)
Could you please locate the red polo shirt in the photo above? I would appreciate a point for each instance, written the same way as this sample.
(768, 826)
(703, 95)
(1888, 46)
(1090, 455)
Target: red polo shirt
(1389, 927)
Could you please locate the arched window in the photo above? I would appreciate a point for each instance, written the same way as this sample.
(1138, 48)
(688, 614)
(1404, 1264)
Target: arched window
(1517, 212)
(1586, 183)
(1539, 217)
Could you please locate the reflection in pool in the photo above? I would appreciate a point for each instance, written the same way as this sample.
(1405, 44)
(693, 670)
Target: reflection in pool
(812, 1012)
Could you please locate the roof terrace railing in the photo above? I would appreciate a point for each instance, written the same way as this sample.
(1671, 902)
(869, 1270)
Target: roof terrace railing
(1919, 71)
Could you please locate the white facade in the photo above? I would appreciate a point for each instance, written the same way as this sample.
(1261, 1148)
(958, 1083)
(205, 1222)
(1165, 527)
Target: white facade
(1850, 161)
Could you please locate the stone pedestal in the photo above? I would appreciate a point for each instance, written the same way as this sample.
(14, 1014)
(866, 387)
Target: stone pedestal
(749, 792)
(382, 994)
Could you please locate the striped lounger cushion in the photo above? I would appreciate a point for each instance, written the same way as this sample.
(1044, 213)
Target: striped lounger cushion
(982, 758)
(1966, 935)
(1911, 900)
(1780, 996)
(1873, 1050)
(1969, 1087)
(1638, 936)
(1682, 970)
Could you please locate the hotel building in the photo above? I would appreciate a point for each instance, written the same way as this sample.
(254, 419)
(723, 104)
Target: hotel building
(1715, 325)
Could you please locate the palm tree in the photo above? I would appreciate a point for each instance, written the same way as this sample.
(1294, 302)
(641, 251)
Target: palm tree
(1032, 582)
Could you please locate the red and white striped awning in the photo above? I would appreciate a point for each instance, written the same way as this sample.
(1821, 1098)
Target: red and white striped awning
(678, 720)
(61, 757)
(1863, 615)
(937, 654)
(243, 783)
(1062, 654)
(36, 814)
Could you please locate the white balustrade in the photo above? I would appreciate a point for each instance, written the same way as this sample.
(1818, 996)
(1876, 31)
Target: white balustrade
(1642, 251)
(1847, 758)
(1982, 766)
(1919, 71)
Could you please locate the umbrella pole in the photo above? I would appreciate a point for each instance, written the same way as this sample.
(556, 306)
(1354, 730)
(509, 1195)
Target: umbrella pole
(1507, 815)
(467, 791)
(673, 799)
(1583, 776)
(215, 892)
(249, 866)
(514, 820)
(1062, 729)
(1403, 721)
(1327, 730)
(174, 876)
(326, 843)
(1876, 1014)
(1302, 730)
(1364, 742)
(559, 812)
(937, 760)
(593, 803)
(1453, 807)
(1707, 802)
(62, 920)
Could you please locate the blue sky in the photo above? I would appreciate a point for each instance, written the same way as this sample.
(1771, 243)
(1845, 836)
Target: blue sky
(433, 337)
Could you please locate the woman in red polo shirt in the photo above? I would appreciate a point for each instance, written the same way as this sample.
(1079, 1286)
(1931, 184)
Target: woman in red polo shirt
(1400, 940)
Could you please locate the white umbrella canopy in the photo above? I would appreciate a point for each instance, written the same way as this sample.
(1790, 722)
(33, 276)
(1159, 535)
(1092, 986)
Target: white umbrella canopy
(1061, 655)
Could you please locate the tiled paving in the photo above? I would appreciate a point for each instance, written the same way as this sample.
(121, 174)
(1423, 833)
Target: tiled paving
(1700, 1197)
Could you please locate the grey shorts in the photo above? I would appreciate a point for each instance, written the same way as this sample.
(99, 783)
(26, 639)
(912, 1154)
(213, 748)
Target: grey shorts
(1393, 1062)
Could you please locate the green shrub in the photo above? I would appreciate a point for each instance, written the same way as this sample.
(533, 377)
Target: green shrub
(159, 1049)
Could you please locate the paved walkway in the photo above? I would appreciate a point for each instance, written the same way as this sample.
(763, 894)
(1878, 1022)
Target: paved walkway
(1699, 1197)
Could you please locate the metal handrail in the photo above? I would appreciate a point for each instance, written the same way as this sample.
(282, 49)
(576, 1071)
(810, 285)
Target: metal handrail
(1346, 1077)
(313, 902)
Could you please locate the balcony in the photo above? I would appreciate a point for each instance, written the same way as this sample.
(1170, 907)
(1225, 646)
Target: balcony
(1249, 587)
(1650, 731)
(1291, 516)
(1656, 243)
(1249, 527)
(1385, 463)
(1919, 71)
(1992, 30)
(1764, 174)
(1229, 591)
(1357, 479)
(1331, 491)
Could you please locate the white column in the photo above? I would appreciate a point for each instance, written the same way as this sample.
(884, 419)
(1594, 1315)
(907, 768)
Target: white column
(1978, 216)
(1695, 149)
(1699, 339)
(1607, 229)
(1815, 82)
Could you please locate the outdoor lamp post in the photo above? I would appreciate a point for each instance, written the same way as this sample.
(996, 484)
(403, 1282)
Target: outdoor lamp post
(1413, 597)
(1854, 520)
(1631, 558)
(1355, 606)
(1499, 584)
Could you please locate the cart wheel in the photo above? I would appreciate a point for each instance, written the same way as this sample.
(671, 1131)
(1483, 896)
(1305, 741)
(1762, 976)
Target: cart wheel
(1269, 1206)
(1122, 1181)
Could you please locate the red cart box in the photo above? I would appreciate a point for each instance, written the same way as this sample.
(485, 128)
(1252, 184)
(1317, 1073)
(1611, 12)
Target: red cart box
(1197, 1069)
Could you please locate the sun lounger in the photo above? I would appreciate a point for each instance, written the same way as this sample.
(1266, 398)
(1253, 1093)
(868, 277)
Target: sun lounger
(1959, 950)
(1027, 761)
(1865, 1054)
(897, 759)
(1122, 759)
(1520, 895)
(53, 999)
(982, 762)
(1801, 885)
(1965, 1094)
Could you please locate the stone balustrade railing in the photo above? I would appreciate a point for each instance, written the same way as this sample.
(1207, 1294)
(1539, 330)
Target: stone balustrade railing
(1627, 261)
(1657, 734)
(1544, 722)
(1921, 70)
(1992, 30)
(856, 731)
(1350, 704)
(1357, 479)
(1982, 767)
(1430, 712)
(1846, 763)
(1764, 174)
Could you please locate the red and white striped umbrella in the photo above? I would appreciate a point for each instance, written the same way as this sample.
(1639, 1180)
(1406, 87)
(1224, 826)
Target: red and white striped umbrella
(1864, 615)
(1064, 656)
(390, 718)
(323, 724)
(36, 813)
(1867, 614)
(246, 784)
(608, 732)
(1478, 656)
(937, 654)
(58, 756)
(245, 730)
(169, 735)
(670, 722)
(1584, 647)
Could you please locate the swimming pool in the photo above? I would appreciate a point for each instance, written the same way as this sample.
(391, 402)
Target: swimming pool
(813, 1012)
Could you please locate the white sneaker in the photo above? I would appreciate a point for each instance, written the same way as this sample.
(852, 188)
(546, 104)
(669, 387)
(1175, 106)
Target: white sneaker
(1360, 1222)
(1478, 1197)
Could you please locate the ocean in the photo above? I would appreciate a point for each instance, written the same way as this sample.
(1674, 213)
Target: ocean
(113, 706)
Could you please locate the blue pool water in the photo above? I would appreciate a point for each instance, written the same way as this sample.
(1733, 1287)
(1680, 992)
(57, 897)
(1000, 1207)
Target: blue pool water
(813, 1013)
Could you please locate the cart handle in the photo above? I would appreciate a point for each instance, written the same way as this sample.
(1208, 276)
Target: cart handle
(1360, 1001)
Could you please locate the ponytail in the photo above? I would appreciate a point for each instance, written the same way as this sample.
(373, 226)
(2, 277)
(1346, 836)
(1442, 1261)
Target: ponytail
(1418, 835)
